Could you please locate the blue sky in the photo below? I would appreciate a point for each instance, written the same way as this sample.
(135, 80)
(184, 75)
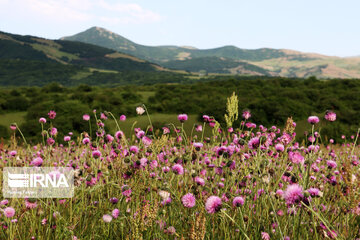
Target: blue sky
(329, 27)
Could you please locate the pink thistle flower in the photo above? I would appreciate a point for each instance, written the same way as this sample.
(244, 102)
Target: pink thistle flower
(250, 125)
(4, 202)
(96, 154)
(200, 181)
(123, 118)
(119, 135)
(140, 134)
(311, 139)
(198, 145)
(146, 141)
(86, 141)
(213, 204)
(238, 201)
(314, 192)
(280, 213)
(67, 138)
(296, 157)
(134, 149)
(44, 221)
(109, 138)
(178, 169)
(254, 143)
(313, 119)
(331, 164)
(86, 117)
(265, 236)
(13, 127)
(42, 120)
(13, 153)
(293, 194)
(107, 218)
(199, 128)
(103, 116)
(37, 161)
(246, 114)
(126, 191)
(115, 213)
(53, 131)
(52, 114)
(279, 192)
(9, 212)
(30, 203)
(182, 117)
(166, 130)
(50, 141)
(188, 200)
(170, 230)
(330, 116)
(206, 118)
(279, 147)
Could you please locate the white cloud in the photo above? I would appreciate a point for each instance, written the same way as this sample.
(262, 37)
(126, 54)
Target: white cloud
(134, 13)
(65, 11)
(58, 10)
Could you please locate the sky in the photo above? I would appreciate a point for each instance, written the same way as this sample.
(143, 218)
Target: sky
(329, 27)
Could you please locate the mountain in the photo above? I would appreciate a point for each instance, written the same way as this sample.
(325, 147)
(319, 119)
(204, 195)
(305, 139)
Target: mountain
(29, 60)
(276, 62)
(67, 52)
(105, 38)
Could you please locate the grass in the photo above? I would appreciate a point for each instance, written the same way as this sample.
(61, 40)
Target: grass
(81, 75)
(139, 193)
(54, 52)
(146, 94)
(102, 70)
(8, 118)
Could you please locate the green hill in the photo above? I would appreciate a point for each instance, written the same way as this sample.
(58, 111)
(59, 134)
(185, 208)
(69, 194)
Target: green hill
(278, 62)
(29, 60)
(67, 52)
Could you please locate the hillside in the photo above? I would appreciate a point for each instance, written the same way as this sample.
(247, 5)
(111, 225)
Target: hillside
(29, 60)
(280, 62)
(67, 52)
(216, 65)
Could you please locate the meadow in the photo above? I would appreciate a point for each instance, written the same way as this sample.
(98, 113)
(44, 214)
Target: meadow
(240, 180)
(271, 100)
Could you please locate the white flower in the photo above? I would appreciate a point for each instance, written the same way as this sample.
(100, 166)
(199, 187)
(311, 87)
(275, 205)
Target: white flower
(164, 194)
(353, 178)
(107, 218)
(140, 110)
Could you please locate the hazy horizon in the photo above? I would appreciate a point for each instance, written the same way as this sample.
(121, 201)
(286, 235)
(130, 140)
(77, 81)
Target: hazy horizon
(324, 27)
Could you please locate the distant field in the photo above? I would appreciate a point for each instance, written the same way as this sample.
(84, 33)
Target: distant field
(8, 118)
(146, 94)
(158, 120)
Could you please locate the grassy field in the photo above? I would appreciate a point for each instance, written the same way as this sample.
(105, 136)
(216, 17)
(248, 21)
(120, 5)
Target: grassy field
(162, 188)
(8, 118)
(157, 119)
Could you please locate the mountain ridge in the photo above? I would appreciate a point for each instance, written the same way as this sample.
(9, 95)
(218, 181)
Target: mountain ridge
(281, 62)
